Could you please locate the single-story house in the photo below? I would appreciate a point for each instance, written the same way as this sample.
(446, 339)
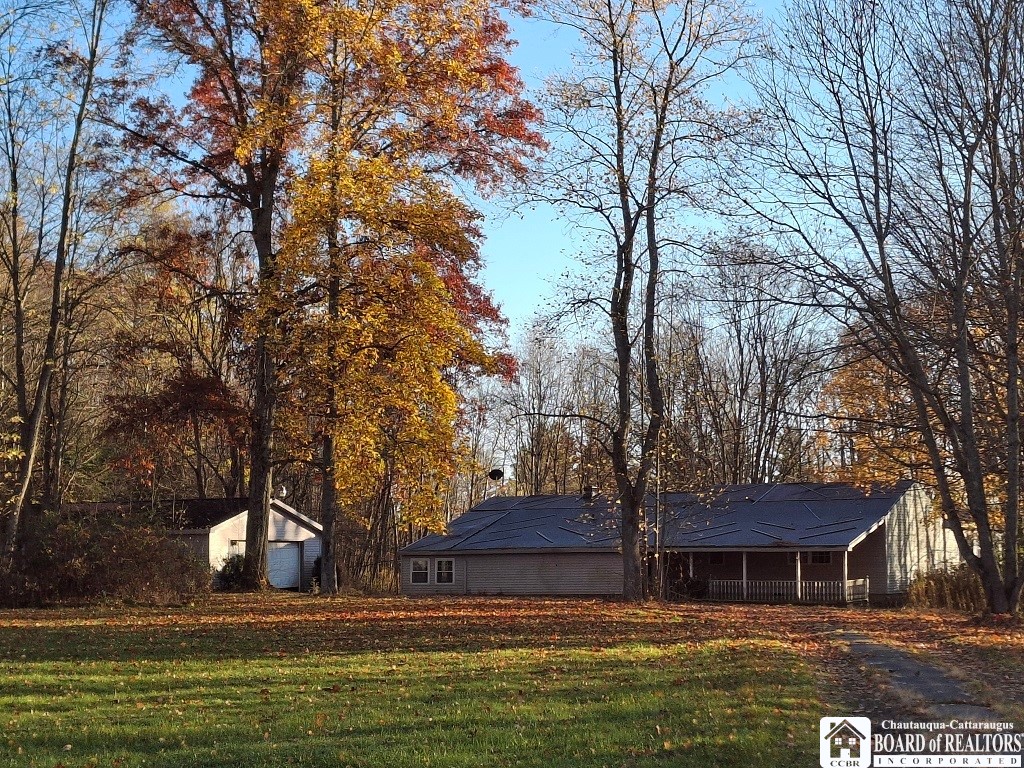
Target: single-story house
(787, 542)
(215, 530)
(508, 545)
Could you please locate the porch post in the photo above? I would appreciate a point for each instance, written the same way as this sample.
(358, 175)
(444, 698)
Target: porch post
(744, 574)
(846, 576)
(689, 558)
(798, 576)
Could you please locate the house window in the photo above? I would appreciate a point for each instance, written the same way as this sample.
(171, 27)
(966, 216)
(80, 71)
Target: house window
(420, 572)
(816, 558)
(716, 558)
(445, 572)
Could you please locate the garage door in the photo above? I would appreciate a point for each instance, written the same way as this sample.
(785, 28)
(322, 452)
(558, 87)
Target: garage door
(283, 564)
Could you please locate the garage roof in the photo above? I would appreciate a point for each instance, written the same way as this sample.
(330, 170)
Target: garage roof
(200, 514)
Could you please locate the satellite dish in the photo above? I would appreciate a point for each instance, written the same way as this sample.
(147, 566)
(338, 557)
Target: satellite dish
(496, 474)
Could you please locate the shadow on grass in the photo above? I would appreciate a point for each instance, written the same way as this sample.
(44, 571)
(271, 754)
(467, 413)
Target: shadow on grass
(255, 627)
(261, 626)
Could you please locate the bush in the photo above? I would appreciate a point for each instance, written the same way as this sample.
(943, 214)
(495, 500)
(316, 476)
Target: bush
(82, 557)
(229, 577)
(956, 589)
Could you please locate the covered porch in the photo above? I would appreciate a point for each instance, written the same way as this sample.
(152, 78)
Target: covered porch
(760, 576)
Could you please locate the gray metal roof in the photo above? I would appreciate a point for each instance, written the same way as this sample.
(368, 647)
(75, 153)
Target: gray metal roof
(528, 522)
(789, 515)
(786, 515)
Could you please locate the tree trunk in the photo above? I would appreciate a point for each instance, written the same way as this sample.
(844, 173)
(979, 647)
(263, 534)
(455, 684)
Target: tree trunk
(633, 582)
(261, 480)
(33, 426)
(263, 191)
(328, 518)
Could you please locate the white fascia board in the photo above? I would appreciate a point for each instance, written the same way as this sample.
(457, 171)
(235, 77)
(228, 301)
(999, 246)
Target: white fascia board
(870, 530)
(229, 520)
(298, 517)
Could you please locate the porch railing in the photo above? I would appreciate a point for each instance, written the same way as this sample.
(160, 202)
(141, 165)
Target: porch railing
(857, 590)
(782, 591)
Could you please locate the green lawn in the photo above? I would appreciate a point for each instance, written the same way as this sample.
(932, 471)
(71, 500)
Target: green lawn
(294, 680)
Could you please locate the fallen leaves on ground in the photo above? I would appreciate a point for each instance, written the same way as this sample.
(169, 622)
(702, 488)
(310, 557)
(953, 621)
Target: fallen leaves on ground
(285, 624)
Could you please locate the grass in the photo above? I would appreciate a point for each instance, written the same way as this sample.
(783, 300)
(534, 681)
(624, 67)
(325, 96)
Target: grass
(291, 680)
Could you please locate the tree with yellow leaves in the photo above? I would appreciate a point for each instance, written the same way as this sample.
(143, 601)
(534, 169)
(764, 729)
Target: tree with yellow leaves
(350, 106)
(869, 437)
(381, 254)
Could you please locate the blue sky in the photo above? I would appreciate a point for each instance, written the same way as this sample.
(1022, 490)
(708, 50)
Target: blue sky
(526, 251)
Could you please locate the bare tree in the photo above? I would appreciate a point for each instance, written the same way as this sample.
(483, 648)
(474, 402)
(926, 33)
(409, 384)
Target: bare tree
(895, 178)
(538, 402)
(47, 89)
(486, 427)
(743, 372)
(632, 137)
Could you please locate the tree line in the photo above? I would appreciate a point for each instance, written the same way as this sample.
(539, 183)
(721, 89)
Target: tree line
(238, 254)
(235, 255)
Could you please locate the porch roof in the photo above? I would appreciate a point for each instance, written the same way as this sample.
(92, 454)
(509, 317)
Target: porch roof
(785, 516)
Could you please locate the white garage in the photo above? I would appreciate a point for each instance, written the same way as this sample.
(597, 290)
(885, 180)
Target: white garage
(215, 530)
(284, 564)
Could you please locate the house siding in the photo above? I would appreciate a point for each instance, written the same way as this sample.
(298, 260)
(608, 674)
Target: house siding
(731, 566)
(598, 573)
(776, 566)
(915, 542)
(221, 537)
(766, 566)
(868, 560)
(310, 552)
(283, 528)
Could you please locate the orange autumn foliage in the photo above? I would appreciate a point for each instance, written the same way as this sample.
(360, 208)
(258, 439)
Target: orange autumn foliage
(377, 283)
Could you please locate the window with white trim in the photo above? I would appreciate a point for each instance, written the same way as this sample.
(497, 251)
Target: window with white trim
(420, 572)
(444, 572)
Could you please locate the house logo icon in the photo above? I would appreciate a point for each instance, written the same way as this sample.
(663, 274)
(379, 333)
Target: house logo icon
(845, 742)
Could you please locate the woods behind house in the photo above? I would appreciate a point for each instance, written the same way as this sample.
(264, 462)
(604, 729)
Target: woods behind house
(240, 257)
